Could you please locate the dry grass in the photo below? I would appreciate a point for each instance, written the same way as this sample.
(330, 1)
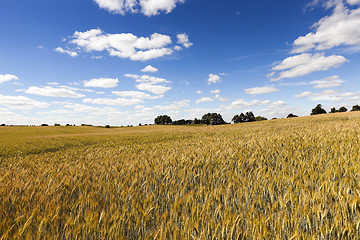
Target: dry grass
(279, 179)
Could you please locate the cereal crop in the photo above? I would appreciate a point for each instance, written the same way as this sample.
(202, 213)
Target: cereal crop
(279, 179)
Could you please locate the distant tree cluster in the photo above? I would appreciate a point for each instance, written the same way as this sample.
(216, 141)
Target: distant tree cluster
(342, 109)
(182, 122)
(317, 110)
(163, 120)
(212, 119)
(291, 115)
(247, 117)
(216, 118)
(355, 108)
(209, 119)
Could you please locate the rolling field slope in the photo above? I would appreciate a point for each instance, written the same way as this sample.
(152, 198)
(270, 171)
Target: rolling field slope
(279, 179)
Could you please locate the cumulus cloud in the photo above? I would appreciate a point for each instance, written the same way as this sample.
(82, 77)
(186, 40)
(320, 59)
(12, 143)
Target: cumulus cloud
(213, 78)
(333, 81)
(261, 90)
(220, 99)
(151, 84)
(204, 99)
(173, 106)
(306, 63)
(7, 77)
(241, 103)
(340, 28)
(70, 53)
(147, 7)
(183, 39)
(353, 2)
(327, 95)
(123, 45)
(114, 101)
(21, 102)
(217, 91)
(53, 92)
(102, 82)
(135, 94)
(150, 69)
(156, 89)
(82, 108)
(147, 78)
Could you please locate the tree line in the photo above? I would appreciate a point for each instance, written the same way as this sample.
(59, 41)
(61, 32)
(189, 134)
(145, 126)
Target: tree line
(216, 118)
(319, 110)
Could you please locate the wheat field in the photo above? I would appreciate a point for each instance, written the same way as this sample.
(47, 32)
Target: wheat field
(279, 179)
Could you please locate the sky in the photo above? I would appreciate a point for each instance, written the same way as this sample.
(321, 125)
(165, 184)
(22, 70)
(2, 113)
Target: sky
(124, 62)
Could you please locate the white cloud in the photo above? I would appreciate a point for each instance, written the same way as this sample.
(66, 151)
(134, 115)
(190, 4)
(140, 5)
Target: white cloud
(124, 45)
(150, 84)
(70, 53)
(204, 99)
(353, 2)
(156, 89)
(340, 28)
(81, 108)
(147, 78)
(118, 6)
(53, 83)
(333, 81)
(220, 99)
(199, 92)
(173, 106)
(7, 77)
(150, 69)
(327, 95)
(102, 82)
(135, 94)
(261, 90)
(183, 39)
(21, 102)
(306, 63)
(213, 78)
(147, 7)
(153, 7)
(114, 101)
(53, 92)
(217, 91)
(241, 103)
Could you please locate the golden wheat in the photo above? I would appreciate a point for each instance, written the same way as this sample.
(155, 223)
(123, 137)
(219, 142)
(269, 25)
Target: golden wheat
(278, 179)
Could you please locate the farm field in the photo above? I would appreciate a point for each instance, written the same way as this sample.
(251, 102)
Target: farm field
(279, 179)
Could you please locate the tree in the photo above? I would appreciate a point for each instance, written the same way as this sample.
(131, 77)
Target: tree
(355, 108)
(162, 120)
(342, 109)
(291, 115)
(236, 119)
(260, 118)
(249, 117)
(333, 110)
(197, 121)
(212, 119)
(242, 117)
(317, 110)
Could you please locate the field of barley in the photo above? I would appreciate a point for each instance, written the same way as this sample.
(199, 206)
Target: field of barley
(279, 179)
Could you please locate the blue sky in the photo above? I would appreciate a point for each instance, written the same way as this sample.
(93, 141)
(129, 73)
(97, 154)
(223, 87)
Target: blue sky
(124, 62)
